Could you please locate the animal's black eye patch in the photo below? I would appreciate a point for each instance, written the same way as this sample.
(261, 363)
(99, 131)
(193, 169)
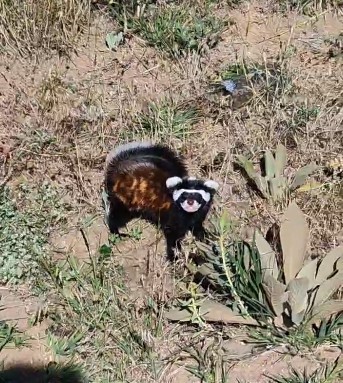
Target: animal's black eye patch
(198, 195)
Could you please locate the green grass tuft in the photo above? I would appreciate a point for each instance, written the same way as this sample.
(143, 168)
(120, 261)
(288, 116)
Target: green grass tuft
(167, 120)
(175, 30)
(25, 223)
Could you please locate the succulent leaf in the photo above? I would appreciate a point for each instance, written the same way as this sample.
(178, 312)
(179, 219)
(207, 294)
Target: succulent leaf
(276, 293)
(294, 234)
(267, 256)
(301, 175)
(326, 267)
(298, 298)
(309, 270)
(325, 310)
(269, 164)
(327, 288)
(280, 160)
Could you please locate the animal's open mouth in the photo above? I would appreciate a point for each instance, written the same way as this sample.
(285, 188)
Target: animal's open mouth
(190, 206)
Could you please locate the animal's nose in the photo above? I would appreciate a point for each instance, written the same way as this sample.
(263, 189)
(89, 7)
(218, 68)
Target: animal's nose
(190, 202)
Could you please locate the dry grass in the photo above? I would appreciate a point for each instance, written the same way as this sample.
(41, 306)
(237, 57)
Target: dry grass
(28, 28)
(65, 115)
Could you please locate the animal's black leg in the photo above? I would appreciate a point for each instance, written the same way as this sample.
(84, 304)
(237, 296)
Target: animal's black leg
(173, 240)
(118, 217)
(199, 232)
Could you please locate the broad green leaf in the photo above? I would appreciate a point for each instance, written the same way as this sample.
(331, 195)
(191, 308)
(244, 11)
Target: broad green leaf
(294, 234)
(297, 298)
(301, 175)
(276, 293)
(309, 270)
(267, 256)
(277, 188)
(339, 264)
(114, 39)
(177, 314)
(280, 160)
(247, 166)
(297, 318)
(212, 311)
(325, 310)
(262, 185)
(327, 288)
(260, 182)
(269, 162)
(326, 266)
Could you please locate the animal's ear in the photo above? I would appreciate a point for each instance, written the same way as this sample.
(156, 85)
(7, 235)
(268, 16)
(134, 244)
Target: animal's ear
(212, 184)
(173, 181)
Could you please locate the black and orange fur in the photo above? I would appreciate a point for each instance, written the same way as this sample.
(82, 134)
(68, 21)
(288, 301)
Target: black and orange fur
(135, 181)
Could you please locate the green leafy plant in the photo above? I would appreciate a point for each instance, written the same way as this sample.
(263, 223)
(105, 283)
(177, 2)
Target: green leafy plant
(271, 182)
(9, 334)
(299, 291)
(290, 298)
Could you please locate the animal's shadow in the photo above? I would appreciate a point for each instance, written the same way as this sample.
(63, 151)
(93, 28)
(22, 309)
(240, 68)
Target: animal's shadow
(53, 373)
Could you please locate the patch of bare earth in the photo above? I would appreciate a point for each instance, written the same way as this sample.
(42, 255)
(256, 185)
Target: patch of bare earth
(63, 135)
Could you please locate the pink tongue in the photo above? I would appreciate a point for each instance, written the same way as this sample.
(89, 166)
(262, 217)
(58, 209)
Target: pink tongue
(190, 209)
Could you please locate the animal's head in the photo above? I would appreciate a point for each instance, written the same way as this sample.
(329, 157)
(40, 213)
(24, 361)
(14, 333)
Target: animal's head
(191, 194)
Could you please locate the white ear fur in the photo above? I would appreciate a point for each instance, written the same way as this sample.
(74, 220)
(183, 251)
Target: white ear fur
(173, 181)
(211, 184)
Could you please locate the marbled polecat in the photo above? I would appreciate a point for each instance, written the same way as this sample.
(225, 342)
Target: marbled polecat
(150, 181)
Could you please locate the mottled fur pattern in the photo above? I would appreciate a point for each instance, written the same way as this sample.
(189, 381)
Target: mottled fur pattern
(149, 181)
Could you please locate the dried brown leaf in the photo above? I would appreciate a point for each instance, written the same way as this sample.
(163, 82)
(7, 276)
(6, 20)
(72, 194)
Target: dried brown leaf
(327, 288)
(267, 256)
(326, 267)
(294, 234)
